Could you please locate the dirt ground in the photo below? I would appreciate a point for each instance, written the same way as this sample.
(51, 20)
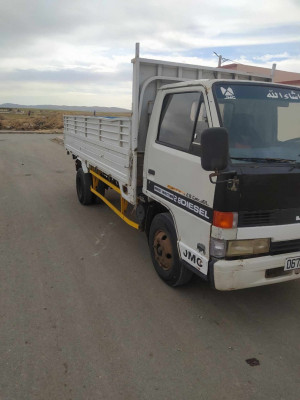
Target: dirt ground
(84, 316)
(40, 120)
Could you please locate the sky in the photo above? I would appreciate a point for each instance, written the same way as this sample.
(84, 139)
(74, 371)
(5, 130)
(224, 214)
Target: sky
(78, 52)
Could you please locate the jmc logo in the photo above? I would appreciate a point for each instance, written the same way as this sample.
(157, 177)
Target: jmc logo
(196, 260)
(192, 258)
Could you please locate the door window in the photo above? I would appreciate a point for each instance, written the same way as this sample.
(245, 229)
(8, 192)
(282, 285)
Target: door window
(202, 122)
(179, 117)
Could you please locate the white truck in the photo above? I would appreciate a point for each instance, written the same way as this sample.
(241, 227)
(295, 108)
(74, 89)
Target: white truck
(209, 162)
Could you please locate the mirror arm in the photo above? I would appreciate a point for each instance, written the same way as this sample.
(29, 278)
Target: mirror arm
(232, 184)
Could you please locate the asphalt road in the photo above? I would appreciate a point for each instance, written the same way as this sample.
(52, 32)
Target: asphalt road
(84, 316)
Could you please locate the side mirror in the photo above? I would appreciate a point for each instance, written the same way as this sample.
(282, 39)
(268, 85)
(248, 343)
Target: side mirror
(214, 149)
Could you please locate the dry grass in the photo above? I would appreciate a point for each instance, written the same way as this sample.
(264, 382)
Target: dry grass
(41, 120)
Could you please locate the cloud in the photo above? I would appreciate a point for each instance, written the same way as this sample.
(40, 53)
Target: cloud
(292, 64)
(69, 75)
(115, 23)
(271, 57)
(77, 43)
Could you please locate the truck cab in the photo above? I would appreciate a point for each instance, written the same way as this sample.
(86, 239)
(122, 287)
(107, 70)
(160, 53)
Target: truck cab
(236, 227)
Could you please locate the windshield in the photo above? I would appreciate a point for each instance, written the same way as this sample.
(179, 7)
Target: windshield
(263, 121)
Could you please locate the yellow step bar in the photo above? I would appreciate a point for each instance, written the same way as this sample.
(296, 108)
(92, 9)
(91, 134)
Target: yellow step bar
(124, 203)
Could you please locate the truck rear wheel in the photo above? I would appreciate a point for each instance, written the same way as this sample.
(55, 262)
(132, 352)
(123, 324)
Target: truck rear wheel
(83, 184)
(164, 253)
(100, 189)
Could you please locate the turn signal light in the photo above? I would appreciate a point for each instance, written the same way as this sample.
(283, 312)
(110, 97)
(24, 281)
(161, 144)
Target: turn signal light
(225, 220)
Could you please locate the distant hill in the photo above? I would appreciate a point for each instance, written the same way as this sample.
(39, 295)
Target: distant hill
(68, 108)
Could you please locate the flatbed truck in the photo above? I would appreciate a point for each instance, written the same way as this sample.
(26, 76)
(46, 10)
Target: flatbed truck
(209, 163)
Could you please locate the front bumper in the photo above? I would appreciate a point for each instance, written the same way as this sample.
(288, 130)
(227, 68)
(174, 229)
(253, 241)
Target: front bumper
(244, 273)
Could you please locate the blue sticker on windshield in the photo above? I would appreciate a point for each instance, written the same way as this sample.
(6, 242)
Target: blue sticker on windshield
(236, 91)
(284, 95)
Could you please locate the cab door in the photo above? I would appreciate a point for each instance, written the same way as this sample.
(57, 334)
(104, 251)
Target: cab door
(173, 173)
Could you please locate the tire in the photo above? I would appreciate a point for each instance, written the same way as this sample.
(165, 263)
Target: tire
(83, 184)
(164, 253)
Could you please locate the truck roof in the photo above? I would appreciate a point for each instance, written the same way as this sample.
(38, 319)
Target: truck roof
(207, 83)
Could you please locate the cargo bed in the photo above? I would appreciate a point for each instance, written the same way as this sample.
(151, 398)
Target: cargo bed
(101, 142)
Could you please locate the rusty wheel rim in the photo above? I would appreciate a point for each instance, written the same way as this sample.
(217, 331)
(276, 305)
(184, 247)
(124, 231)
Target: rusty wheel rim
(163, 250)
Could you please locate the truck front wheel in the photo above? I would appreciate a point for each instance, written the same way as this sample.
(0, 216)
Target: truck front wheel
(164, 253)
(83, 184)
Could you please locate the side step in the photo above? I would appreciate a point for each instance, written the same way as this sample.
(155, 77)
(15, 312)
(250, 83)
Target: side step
(124, 203)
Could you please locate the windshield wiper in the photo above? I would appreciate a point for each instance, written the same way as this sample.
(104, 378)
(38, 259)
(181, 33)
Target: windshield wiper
(266, 159)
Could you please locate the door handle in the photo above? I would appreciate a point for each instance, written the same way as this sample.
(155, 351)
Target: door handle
(151, 172)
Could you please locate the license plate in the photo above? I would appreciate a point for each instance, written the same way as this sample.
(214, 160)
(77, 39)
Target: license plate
(292, 263)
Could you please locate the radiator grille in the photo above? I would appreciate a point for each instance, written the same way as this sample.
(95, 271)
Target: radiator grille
(268, 217)
(287, 246)
(257, 218)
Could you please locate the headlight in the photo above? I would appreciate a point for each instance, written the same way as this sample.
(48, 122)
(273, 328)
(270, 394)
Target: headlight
(236, 248)
(247, 247)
